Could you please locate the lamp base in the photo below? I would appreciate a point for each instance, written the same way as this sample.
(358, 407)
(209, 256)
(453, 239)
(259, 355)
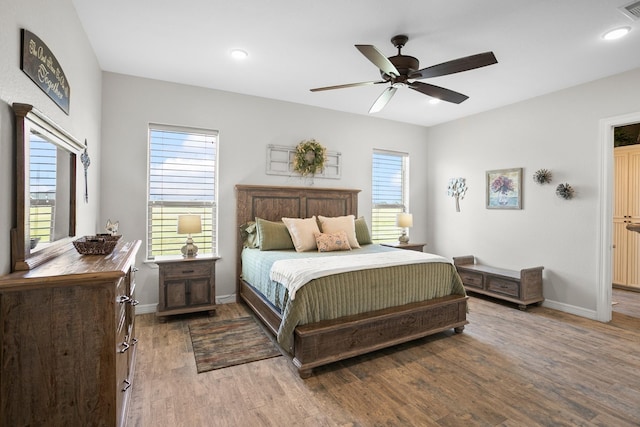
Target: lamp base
(403, 238)
(189, 250)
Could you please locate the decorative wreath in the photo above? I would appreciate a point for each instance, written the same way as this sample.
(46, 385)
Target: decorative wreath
(309, 157)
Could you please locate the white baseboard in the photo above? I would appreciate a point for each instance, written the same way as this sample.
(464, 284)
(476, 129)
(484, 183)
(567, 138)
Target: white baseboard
(571, 309)
(151, 308)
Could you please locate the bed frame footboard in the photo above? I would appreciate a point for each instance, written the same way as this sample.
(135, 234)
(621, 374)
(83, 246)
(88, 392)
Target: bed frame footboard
(329, 341)
(320, 343)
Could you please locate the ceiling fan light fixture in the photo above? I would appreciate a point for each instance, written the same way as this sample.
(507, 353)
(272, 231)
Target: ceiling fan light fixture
(616, 33)
(434, 101)
(239, 54)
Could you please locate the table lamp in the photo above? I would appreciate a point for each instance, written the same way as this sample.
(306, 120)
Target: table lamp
(189, 224)
(404, 220)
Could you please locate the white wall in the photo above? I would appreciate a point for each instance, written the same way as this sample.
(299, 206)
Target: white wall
(560, 132)
(247, 125)
(57, 24)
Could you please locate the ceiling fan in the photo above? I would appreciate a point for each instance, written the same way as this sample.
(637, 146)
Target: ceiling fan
(403, 70)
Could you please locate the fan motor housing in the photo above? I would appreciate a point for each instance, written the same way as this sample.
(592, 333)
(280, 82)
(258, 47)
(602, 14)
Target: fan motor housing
(404, 64)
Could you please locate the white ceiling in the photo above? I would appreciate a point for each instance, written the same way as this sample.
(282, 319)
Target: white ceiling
(541, 45)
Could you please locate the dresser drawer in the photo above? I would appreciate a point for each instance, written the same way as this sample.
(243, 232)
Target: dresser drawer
(471, 279)
(503, 286)
(187, 269)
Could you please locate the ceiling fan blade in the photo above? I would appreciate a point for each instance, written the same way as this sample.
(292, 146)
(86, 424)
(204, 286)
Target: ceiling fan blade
(378, 59)
(438, 92)
(456, 66)
(346, 86)
(382, 99)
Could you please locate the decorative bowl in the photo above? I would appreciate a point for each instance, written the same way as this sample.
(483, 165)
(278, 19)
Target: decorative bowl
(95, 245)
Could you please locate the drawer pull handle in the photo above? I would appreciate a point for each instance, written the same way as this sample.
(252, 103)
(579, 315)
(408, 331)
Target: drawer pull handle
(123, 298)
(125, 347)
(187, 271)
(127, 384)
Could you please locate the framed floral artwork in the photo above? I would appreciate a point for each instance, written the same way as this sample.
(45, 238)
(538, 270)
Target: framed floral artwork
(504, 189)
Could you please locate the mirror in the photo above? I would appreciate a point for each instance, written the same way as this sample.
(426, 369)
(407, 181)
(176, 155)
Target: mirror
(45, 189)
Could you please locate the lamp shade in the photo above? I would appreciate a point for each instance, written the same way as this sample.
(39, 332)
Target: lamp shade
(405, 220)
(189, 224)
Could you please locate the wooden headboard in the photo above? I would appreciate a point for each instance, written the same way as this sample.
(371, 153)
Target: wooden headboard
(273, 203)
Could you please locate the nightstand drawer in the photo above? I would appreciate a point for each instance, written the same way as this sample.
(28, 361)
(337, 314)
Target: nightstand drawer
(190, 269)
(474, 280)
(503, 286)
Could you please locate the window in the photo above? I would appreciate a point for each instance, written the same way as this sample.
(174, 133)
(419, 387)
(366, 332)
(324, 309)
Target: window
(42, 190)
(389, 190)
(183, 166)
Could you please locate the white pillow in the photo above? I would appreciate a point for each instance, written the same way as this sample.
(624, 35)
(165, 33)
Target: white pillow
(340, 223)
(302, 232)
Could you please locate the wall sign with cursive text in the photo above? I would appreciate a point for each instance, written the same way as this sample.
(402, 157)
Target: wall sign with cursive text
(43, 68)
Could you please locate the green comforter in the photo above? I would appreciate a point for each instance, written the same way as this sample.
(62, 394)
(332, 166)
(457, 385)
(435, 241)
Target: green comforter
(348, 293)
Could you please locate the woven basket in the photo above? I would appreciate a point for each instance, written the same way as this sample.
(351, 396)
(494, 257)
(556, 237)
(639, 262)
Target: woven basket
(96, 245)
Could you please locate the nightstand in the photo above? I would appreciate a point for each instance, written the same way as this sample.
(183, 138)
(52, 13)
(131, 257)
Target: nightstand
(186, 285)
(409, 246)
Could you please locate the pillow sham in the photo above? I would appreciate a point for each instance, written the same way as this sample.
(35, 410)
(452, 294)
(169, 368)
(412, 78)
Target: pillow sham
(362, 231)
(340, 223)
(301, 231)
(249, 234)
(329, 242)
(273, 235)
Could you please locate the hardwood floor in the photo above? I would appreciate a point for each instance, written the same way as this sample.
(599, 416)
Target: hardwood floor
(626, 302)
(508, 368)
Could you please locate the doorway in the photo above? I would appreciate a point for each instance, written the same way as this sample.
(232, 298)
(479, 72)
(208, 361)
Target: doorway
(605, 270)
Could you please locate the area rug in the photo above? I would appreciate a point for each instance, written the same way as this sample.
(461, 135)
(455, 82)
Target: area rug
(225, 343)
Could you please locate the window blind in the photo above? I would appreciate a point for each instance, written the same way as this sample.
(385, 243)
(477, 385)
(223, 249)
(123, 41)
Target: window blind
(389, 193)
(182, 180)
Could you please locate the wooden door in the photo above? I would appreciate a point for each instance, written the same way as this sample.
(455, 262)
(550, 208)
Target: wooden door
(633, 216)
(626, 209)
(621, 163)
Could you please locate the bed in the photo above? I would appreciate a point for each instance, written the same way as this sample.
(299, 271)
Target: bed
(328, 335)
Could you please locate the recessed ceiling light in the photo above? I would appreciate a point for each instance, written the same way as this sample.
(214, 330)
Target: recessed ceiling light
(239, 54)
(616, 33)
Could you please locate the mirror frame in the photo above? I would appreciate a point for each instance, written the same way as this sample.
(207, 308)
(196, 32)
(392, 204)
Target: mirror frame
(27, 119)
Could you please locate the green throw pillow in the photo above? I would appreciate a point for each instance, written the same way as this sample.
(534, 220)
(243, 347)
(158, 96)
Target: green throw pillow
(362, 231)
(273, 235)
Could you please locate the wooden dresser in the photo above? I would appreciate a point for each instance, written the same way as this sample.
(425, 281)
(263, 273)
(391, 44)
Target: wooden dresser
(68, 340)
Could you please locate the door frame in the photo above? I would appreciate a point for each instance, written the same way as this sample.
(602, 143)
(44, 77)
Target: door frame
(605, 274)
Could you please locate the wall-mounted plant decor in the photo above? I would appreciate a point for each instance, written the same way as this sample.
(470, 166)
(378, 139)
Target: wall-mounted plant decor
(542, 176)
(309, 158)
(457, 188)
(564, 191)
(504, 189)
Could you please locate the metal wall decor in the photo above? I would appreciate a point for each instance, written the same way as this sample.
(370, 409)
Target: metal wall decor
(457, 189)
(86, 161)
(542, 176)
(565, 191)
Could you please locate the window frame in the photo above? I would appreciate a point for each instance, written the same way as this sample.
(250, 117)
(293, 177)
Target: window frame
(388, 233)
(207, 241)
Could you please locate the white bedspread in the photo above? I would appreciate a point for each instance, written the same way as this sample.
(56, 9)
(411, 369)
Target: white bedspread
(294, 273)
